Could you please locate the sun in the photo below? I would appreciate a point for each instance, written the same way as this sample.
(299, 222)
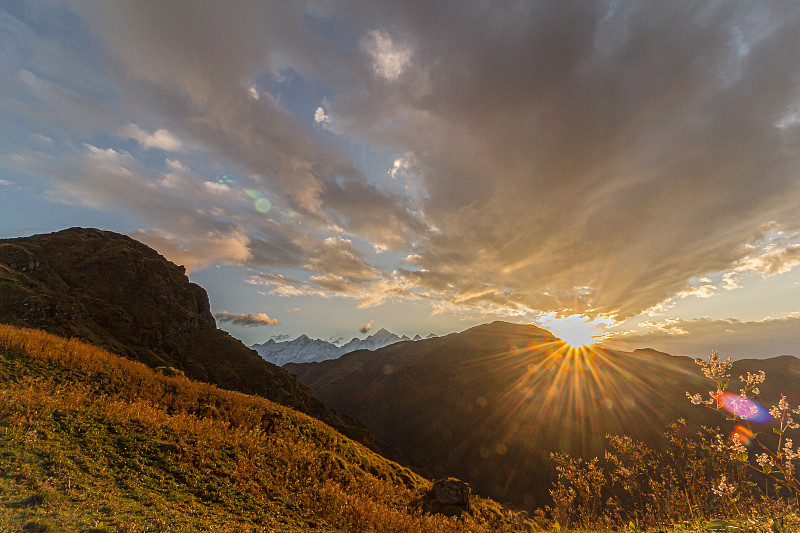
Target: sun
(576, 330)
(577, 337)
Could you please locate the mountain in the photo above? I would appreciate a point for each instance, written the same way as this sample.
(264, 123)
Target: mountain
(93, 442)
(490, 404)
(116, 293)
(302, 349)
(306, 350)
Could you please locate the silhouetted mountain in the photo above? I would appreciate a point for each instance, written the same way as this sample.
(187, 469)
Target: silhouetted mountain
(118, 294)
(306, 350)
(490, 404)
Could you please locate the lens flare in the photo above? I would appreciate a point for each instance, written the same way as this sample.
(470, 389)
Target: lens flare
(262, 204)
(743, 435)
(744, 408)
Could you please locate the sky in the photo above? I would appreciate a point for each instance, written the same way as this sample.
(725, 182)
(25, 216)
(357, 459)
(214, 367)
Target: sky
(627, 169)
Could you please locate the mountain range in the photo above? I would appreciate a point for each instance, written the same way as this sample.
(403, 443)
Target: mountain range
(304, 349)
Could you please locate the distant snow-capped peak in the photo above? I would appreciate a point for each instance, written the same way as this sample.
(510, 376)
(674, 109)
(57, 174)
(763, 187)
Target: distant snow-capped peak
(304, 349)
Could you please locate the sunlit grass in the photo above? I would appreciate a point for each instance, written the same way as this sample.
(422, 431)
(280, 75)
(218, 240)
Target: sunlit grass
(93, 442)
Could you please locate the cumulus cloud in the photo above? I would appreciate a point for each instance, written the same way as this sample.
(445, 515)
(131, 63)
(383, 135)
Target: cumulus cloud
(160, 138)
(367, 327)
(773, 259)
(249, 319)
(321, 116)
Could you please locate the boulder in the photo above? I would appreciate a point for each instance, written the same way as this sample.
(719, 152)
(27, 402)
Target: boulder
(452, 491)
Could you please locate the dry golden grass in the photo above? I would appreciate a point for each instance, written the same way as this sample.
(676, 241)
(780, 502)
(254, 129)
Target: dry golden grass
(93, 442)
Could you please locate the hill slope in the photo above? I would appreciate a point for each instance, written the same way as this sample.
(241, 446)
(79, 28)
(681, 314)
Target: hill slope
(118, 294)
(490, 404)
(93, 442)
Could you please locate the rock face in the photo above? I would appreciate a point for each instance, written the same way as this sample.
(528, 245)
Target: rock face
(117, 293)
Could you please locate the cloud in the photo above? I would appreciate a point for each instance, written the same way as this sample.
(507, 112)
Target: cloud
(367, 327)
(284, 286)
(199, 252)
(731, 281)
(321, 116)
(543, 147)
(338, 257)
(249, 319)
(280, 338)
(160, 138)
(773, 259)
(759, 339)
(629, 147)
(706, 289)
(389, 59)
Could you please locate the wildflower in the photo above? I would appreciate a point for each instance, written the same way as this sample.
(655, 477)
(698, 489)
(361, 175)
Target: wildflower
(695, 399)
(714, 368)
(764, 459)
(752, 380)
(723, 488)
(783, 405)
(788, 452)
(737, 448)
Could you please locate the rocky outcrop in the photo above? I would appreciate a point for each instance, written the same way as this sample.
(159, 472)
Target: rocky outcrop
(117, 293)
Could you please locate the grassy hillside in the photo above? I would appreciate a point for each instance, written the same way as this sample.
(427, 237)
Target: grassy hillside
(93, 442)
